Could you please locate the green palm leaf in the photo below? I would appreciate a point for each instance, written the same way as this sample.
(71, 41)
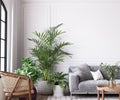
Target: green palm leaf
(48, 51)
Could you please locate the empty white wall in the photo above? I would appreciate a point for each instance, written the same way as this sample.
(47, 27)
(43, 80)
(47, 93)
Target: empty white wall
(92, 26)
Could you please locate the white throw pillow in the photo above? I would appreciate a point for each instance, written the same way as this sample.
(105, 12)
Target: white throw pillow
(97, 75)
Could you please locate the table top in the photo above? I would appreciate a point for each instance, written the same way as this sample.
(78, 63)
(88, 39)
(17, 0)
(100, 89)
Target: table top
(115, 88)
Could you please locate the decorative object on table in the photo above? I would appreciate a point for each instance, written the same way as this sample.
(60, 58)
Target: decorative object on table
(58, 83)
(111, 71)
(48, 51)
(28, 69)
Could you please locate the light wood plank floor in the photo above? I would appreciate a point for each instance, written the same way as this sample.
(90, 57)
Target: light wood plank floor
(84, 97)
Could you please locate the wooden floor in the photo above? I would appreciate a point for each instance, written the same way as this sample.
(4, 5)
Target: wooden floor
(83, 97)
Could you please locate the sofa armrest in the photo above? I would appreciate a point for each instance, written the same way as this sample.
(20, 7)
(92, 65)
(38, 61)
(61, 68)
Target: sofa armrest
(73, 82)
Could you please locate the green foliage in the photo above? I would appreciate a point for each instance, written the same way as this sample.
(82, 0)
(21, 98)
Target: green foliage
(58, 78)
(48, 50)
(111, 70)
(45, 74)
(28, 69)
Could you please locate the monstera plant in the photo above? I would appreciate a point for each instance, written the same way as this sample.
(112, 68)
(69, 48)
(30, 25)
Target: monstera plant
(48, 50)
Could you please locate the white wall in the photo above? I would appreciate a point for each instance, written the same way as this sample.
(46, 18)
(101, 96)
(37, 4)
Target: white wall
(93, 26)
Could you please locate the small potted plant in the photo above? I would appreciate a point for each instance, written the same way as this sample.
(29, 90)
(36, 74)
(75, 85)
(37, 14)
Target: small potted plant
(58, 83)
(111, 71)
(28, 69)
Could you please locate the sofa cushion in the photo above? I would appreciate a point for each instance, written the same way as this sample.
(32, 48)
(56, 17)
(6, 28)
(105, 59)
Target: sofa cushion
(94, 68)
(90, 85)
(83, 71)
(117, 75)
(76, 68)
(102, 69)
(104, 73)
(117, 81)
(97, 75)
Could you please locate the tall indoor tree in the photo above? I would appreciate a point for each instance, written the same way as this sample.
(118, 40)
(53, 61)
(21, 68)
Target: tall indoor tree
(48, 50)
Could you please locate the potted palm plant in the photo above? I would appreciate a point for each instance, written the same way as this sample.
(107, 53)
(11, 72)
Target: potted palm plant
(58, 83)
(28, 69)
(48, 51)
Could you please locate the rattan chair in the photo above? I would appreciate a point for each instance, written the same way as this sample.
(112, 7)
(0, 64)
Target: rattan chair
(16, 85)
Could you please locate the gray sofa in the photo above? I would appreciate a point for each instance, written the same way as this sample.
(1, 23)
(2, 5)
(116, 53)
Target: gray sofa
(81, 80)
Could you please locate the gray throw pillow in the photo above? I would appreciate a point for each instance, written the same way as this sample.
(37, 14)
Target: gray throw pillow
(74, 68)
(102, 70)
(83, 72)
(104, 73)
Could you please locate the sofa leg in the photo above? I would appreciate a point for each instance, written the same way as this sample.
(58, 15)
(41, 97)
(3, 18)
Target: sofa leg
(71, 96)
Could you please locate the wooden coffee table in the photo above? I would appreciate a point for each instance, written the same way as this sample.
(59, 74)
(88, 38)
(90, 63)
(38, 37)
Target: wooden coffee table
(106, 88)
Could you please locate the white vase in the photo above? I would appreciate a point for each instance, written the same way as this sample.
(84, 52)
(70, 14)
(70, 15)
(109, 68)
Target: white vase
(58, 91)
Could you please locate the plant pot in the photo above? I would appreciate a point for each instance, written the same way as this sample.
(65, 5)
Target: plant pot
(58, 91)
(33, 96)
(43, 87)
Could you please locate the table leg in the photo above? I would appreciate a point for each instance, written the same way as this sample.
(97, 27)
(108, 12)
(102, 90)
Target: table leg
(119, 95)
(102, 94)
(98, 94)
